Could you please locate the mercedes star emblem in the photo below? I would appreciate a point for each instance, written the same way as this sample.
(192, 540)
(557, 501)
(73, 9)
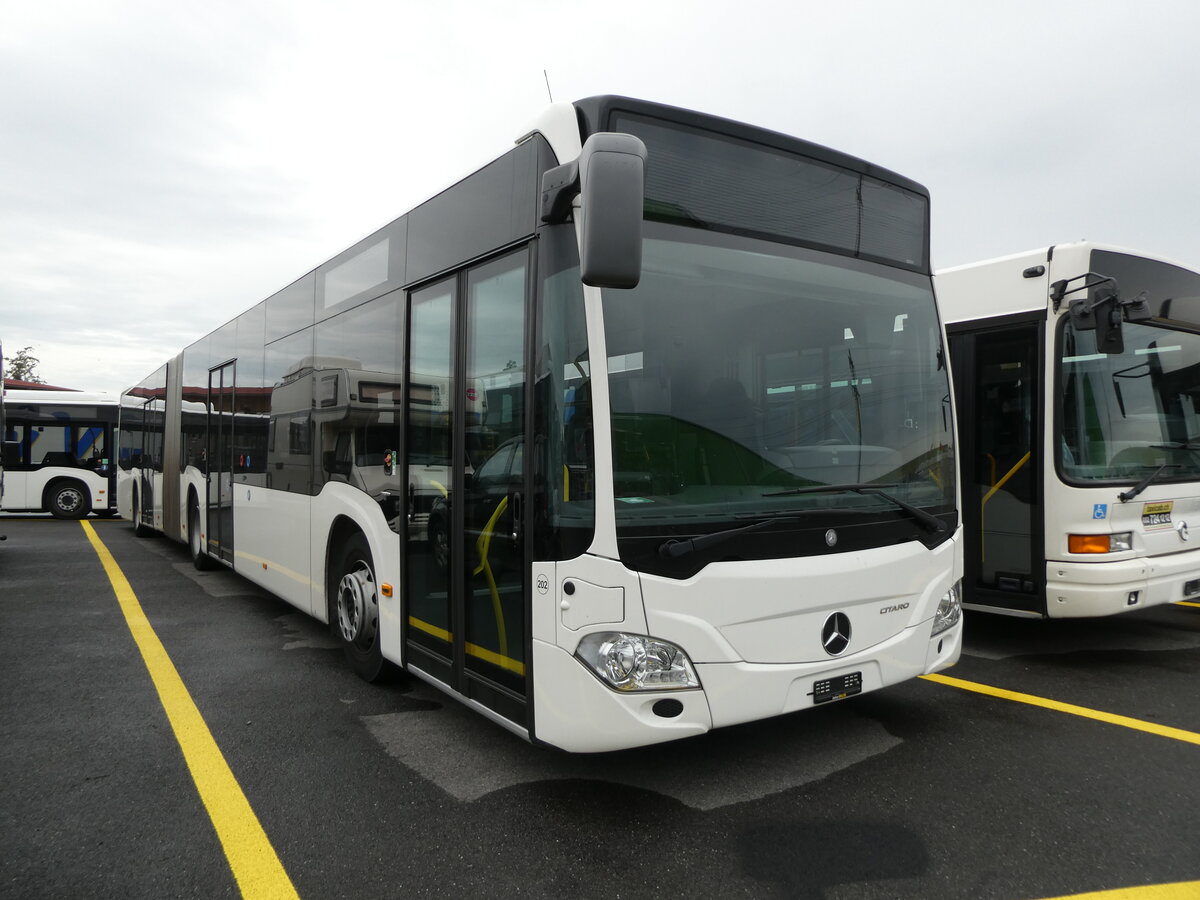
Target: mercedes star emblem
(835, 636)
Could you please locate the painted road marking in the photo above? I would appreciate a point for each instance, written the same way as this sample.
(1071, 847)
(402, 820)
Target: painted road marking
(256, 867)
(1178, 734)
(1180, 890)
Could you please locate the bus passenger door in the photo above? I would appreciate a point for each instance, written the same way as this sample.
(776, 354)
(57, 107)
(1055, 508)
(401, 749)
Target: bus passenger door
(464, 549)
(998, 385)
(219, 461)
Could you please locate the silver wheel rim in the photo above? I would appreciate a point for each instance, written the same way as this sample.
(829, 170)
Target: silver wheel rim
(69, 500)
(358, 606)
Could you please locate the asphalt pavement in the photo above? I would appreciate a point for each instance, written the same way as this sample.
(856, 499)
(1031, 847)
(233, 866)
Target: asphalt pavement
(1082, 775)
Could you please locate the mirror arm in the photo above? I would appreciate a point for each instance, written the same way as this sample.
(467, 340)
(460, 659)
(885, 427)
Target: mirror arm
(560, 186)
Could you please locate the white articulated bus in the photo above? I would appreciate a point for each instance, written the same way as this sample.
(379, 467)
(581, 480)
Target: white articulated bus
(640, 430)
(58, 453)
(1077, 373)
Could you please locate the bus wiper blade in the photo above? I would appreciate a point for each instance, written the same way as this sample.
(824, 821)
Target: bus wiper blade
(1126, 496)
(1176, 445)
(674, 549)
(930, 521)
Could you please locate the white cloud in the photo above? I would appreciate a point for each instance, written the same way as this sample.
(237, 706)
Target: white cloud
(167, 167)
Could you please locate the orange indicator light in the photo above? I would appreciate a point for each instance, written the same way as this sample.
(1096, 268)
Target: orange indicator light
(1089, 543)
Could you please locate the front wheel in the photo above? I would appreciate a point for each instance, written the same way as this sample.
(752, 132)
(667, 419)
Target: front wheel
(69, 500)
(355, 609)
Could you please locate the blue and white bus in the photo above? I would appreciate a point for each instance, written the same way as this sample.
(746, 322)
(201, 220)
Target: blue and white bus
(57, 453)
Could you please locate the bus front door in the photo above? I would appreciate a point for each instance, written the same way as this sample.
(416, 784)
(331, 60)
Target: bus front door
(998, 385)
(464, 553)
(219, 461)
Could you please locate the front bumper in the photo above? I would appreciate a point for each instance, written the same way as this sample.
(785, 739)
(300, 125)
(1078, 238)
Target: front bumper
(580, 714)
(1105, 588)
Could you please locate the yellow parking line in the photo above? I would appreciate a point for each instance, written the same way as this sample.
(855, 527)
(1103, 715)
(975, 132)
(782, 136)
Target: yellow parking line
(257, 869)
(1180, 890)
(1161, 730)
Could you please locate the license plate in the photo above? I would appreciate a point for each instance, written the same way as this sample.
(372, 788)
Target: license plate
(838, 688)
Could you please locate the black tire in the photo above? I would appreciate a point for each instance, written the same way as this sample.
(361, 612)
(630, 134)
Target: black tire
(439, 543)
(200, 558)
(140, 528)
(354, 609)
(68, 500)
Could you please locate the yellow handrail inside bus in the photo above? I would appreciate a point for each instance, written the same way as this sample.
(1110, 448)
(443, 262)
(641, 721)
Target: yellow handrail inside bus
(988, 496)
(483, 545)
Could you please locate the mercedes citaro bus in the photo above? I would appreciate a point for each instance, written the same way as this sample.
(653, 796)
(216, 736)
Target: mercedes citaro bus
(642, 429)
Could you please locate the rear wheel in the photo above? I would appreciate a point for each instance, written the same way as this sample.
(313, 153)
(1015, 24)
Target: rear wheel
(68, 500)
(140, 528)
(200, 558)
(355, 612)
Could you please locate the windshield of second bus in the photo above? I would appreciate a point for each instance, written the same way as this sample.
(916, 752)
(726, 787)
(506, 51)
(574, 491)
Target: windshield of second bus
(741, 370)
(1125, 415)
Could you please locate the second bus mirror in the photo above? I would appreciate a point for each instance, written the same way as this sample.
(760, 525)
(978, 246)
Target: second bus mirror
(612, 195)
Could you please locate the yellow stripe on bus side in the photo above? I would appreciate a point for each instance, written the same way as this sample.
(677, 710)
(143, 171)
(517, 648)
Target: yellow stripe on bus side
(257, 869)
(1189, 603)
(475, 650)
(1179, 890)
(1177, 734)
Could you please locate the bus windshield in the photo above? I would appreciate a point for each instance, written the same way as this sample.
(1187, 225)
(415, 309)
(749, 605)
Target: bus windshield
(1127, 414)
(741, 369)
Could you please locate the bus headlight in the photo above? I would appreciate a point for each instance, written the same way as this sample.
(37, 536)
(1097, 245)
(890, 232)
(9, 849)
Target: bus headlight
(635, 662)
(949, 609)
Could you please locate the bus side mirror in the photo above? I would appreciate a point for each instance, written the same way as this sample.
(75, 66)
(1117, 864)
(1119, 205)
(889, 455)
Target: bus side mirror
(610, 178)
(612, 187)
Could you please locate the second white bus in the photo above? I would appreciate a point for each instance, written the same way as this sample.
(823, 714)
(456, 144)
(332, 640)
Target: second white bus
(1077, 372)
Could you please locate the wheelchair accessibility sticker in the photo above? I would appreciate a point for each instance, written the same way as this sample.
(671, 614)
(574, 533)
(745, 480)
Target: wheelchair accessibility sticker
(1100, 511)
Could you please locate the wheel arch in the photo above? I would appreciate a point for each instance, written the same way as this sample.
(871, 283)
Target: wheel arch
(341, 530)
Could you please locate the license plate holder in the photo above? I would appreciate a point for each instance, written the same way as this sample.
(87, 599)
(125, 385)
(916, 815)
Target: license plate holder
(837, 688)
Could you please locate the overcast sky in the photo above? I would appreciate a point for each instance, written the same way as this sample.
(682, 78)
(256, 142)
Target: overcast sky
(165, 166)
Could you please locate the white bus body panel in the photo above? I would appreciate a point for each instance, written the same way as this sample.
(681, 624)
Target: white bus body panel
(1164, 558)
(756, 644)
(271, 543)
(26, 490)
(281, 542)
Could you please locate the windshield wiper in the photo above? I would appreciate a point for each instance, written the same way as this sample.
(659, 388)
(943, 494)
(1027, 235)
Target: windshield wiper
(1126, 496)
(930, 521)
(674, 549)
(1177, 445)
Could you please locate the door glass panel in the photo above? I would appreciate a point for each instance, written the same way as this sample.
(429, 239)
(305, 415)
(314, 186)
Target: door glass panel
(432, 400)
(220, 457)
(494, 417)
(1004, 465)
